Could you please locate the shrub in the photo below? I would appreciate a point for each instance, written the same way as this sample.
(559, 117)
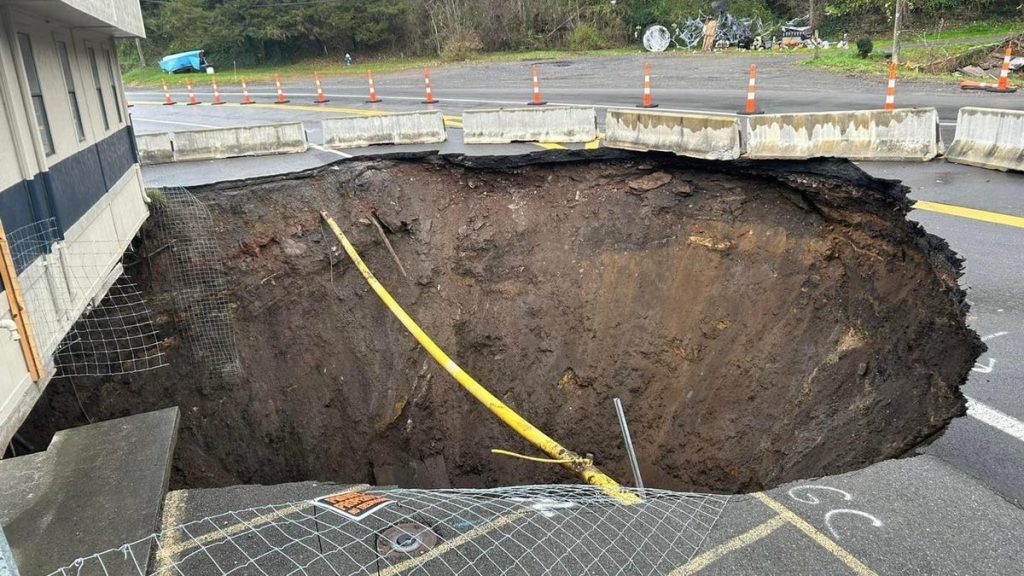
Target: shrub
(587, 37)
(463, 48)
(864, 47)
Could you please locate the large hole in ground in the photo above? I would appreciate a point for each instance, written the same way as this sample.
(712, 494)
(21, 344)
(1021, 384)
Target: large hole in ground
(761, 323)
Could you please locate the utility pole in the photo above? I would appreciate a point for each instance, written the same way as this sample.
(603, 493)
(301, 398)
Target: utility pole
(901, 6)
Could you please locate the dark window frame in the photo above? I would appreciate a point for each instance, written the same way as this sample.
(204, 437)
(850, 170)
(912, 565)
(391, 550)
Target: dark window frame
(69, 82)
(35, 89)
(99, 86)
(113, 85)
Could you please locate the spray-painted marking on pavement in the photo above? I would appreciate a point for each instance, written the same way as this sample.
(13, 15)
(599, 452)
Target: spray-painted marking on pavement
(973, 214)
(749, 537)
(813, 533)
(995, 418)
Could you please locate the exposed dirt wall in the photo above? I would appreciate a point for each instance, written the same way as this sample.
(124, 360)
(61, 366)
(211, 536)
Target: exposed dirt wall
(762, 322)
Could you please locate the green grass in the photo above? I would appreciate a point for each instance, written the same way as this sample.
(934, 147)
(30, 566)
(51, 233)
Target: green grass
(919, 49)
(152, 76)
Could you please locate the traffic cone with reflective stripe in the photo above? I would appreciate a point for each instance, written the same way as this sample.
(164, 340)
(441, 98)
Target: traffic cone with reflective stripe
(890, 91)
(751, 107)
(280, 93)
(245, 93)
(320, 98)
(373, 91)
(426, 81)
(167, 95)
(216, 93)
(191, 95)
(536, 90)
(972, 85)
(648, 101)
(1004, 74)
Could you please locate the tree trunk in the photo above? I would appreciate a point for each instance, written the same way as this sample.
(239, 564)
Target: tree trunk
(901, 5)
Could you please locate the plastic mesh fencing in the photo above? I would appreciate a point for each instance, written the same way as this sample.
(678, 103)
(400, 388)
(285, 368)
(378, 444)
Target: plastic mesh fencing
(88, 318)
(528, 530)
(183, 232)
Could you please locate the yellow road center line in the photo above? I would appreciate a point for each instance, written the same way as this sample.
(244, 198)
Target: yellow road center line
(982, 215)
(747, 538)
(550, 146)
(452, 544)
(813, 533)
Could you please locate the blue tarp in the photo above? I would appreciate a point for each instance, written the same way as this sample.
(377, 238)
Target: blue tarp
(194, 61)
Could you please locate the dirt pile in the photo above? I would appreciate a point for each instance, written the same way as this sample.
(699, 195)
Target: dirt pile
(761, 322)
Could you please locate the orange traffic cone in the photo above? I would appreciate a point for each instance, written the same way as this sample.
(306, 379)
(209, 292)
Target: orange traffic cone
(1004, 74)
(216, 93)
(536, 90)
(167, 95)
(430, 95)
(648, 101)
(751, 107)
(245, 93)
(890, 91)
(972, 85)
(280, 93)
(320, 98)
(373, 91)
(191, 95)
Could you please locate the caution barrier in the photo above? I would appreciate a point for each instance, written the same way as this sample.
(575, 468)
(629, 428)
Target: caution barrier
(217, 143)
(698, 136)
(989, 138)
(154, 148)
(905, 134)
(425, 127)
(534, 124)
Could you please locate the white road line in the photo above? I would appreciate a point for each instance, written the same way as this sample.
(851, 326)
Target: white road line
(995, 418)
(322, 149)
(991, 336)
(134, 120)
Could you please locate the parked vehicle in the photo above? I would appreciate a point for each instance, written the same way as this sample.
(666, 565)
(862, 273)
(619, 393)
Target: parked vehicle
(194, 61)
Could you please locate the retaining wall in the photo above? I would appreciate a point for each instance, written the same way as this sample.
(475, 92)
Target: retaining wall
(989, 138)
(906, 134)
(697, 136)
(529, 124)
(404, 128)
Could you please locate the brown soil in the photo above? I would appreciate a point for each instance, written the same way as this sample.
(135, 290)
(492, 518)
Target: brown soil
(762, 322)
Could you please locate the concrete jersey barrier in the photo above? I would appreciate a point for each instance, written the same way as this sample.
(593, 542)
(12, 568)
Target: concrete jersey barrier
(905, 134)
(989, 138)
(240, 141)
(405, 128)
(529, 124)
(698, 136)
(154, 148)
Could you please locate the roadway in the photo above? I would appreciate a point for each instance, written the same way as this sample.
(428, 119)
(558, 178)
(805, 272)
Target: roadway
(980, 213)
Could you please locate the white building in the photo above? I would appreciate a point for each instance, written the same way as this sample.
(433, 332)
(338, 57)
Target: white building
(71, 193)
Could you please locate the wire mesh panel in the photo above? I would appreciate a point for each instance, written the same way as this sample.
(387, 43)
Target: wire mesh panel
(116, 336)
(184, 231)
(88, 318)
(526, 530)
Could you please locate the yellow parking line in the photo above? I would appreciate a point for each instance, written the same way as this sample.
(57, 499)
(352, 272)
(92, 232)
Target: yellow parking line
(982, 215)
(825, 542)
(749, 537)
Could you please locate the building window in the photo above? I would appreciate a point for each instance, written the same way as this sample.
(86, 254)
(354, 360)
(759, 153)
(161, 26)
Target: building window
(36, 90)
(113, 86)
(99, 87)
(69, 81)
